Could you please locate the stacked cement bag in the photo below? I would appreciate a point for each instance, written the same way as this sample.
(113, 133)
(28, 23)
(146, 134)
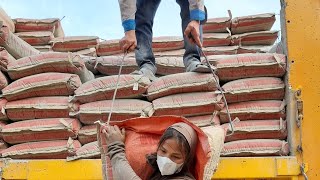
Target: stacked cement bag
(11, 47)
(47, 35)
(187, 94)
(39, 32)
(95, 98)
(17, 47)
(255, 92)
(81, 45)
(37, 104)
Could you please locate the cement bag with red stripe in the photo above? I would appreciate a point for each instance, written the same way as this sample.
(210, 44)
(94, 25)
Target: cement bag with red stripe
(142, 138)
(110, 65)
(205, 120)
(241, 66)
(253, 49)
(260, 88)
(227, 50)
(73, 43)
(110, 47)
(44, 84)
(87, 134)
(256, 147)
(254, 110)
(169, 65)
(41, 130)
(3, 115)
(29, 25)
(175, 53)
(58, 149)
(188, 104)
(122, 109)
(6, 20)
(257, 129)
(17, 47)
(36, 38)
(3, 81)
(45, 48)
(181, 83)
(40, 108)
(167, 43)
(253, 23)
(129, 86)
(216, 39)
(2, 124)
(49, 62)
(255, 38)
(87, 151)
(87, 52)
(217, 25)
(5, 58)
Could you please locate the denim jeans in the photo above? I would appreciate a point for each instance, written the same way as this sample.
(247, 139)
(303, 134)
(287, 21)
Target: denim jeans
(146, 10)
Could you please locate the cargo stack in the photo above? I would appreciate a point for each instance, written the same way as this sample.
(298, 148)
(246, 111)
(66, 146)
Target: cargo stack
(38, 107)
(47, 35)
(51, 100)
(39, 32)
(255, 93)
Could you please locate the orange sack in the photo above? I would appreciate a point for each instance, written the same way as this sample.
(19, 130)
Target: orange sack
(143, 135)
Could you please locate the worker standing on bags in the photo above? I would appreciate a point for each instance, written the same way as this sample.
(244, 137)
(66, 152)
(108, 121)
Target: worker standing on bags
(172, 160)
(137, 21)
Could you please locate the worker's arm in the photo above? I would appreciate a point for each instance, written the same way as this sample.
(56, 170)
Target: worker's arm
(128, 10)
(115, 139)
(197, 14)
(197, 11)
(121, 168)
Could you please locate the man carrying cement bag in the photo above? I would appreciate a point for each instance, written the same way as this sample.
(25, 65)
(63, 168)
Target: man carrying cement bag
(137, 21)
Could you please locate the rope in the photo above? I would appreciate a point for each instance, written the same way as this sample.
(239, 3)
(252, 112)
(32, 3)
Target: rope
(117, 84)
(220, 89)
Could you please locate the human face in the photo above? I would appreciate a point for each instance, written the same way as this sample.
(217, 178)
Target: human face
(171, 149)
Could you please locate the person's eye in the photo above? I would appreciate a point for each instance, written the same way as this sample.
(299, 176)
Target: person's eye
(176, 157)
(162, 150)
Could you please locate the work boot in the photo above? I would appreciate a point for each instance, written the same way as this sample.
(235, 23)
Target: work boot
(199, 67)
(145, 72)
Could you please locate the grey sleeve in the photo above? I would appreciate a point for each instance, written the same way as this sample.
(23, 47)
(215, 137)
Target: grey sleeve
(128, 10)
(121, 168)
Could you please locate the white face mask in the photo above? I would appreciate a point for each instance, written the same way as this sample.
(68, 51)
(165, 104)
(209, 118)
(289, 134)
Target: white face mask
(167, 167)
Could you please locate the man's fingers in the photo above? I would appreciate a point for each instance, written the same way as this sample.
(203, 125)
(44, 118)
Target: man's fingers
(125, 47)
(132, 47)
(106, 135)
(117, 129)
(123, 131)
(187, 32)
(196, 37)
(128, 45)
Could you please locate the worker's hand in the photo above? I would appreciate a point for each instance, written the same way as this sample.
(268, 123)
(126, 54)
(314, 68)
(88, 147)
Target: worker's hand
(129, 42)
(192, 32)
(113, 134)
